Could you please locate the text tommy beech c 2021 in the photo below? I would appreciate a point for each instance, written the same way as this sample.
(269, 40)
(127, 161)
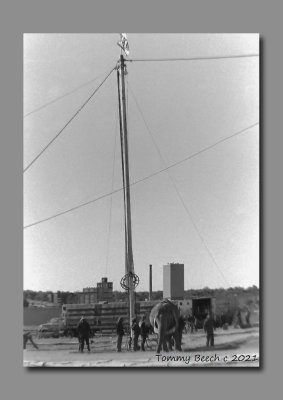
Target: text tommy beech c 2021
(207, 359)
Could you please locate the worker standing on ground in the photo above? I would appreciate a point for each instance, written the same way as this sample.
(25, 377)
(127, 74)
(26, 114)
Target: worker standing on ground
(222, 320)
(248, 318)
(120, 333)
(209, 325)
(238, 320)
(28, 337)
(84, 331)
(143, 333)
(136, 333)
(191, 323)
(181, 327)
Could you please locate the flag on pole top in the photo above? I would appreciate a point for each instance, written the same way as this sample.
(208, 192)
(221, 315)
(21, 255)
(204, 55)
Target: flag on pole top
(124, 44)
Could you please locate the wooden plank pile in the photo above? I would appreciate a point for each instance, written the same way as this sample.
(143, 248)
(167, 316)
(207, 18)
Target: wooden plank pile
(102, 317)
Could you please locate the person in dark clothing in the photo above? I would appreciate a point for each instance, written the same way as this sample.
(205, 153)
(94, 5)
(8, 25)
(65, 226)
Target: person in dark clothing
(136, 333)
(197, 322)
(222, 319)
(238, 320)
(120, 333)
(143, 332)
(84, 331)
(208, 326)
(181, 327)
(191, 323)
(28, 337)
(248, 318)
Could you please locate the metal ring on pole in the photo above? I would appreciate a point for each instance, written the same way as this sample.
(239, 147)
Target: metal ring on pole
(125, 283)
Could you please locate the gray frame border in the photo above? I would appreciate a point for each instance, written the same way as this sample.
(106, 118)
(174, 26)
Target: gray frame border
(158, 16)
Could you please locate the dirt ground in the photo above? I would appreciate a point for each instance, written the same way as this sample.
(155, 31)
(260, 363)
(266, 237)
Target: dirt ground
(233, 348)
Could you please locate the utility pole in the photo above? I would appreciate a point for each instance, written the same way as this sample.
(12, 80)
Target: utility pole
(129, 262)
(150, 283)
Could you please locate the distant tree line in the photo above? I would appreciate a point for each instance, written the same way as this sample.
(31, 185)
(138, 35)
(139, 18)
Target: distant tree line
(30, 295)
(156, 295)
(34, 295)
(207, 292)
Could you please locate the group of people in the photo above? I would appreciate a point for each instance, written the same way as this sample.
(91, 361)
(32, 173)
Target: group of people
(138, 329)
(141, 330)
(242, 321)
(209, 326)
(191, 325)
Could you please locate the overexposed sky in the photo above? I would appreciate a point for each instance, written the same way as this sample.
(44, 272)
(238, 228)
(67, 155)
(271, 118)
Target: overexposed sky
(187, 106)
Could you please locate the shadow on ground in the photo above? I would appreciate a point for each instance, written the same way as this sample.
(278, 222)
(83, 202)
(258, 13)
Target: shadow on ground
(222, 346)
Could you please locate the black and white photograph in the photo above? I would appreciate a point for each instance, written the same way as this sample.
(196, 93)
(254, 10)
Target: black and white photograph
(141, 179)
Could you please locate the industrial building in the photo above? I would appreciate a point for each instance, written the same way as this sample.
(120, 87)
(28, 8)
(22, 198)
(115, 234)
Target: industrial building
(173, 289)
(103, 292)
(173, 281)
(103, 316)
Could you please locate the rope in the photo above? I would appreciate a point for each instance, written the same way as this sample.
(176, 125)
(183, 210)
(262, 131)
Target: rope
(70, 120)
(179, 194)
(61, 97)
(111, 197)
(143, 179)
(191, 58)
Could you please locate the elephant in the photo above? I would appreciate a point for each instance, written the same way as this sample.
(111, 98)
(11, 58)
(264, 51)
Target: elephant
(164, 318)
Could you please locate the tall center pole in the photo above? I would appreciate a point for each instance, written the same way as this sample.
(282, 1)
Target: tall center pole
(129, 262)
